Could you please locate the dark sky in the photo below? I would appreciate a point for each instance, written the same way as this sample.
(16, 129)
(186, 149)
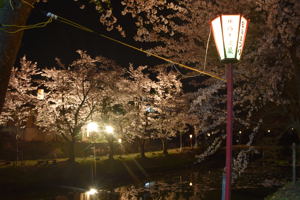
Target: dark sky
(61, 40)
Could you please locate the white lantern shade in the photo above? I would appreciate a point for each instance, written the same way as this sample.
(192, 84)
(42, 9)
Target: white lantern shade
(229, 33)
(40, 94)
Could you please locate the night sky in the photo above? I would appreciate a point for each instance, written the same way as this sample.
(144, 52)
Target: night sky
(61, 40)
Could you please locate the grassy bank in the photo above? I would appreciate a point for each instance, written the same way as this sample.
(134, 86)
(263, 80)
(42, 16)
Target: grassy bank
(288, 192)
(122, 169)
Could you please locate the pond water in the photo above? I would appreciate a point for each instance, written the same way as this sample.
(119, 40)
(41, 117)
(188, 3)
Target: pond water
(189, 184)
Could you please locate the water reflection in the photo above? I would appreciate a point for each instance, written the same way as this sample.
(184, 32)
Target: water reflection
(91, 194)
(187, 185)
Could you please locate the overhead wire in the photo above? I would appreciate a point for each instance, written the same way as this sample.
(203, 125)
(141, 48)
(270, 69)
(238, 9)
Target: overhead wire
(207, 45)
(17, 28)
(74, 24)
(27, 3)
(84, 28)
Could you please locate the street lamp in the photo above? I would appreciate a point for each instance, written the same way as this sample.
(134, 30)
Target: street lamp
(40, 94)
(229, 33)
(191, 138)
(109, 129)
(92, 127)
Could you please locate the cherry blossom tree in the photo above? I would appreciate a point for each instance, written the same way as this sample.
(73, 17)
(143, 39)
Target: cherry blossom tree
(21, 96)
(74, 94)
(166, 102)
(140, 96)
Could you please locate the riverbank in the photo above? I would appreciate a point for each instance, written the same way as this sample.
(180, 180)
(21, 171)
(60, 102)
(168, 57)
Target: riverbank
(42, 175)
(109, 173)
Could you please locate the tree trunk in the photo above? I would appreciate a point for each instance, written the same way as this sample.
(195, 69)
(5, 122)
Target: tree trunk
(164, 146)
(111, 148)
(72, 150)
(142, 147)
(10, 43)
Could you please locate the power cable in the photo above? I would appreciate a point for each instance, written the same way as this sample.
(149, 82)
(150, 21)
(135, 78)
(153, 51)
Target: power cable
(76, 25)
(207, 43)
(17, 28)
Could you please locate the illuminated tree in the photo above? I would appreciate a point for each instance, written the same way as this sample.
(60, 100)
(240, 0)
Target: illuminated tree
(21, 96)
(139, 96)
(74, 94)
(168, 115)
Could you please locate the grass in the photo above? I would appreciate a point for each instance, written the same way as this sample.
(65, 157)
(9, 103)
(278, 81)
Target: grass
(124, 157)
(288, 192)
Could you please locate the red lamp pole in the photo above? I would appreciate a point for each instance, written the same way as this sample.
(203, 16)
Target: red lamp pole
(229, 79)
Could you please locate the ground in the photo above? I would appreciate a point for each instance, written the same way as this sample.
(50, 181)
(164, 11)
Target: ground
(288, 192)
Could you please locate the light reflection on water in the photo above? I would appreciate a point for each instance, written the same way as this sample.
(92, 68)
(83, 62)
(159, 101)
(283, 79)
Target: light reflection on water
(187, 186)
(180, 185)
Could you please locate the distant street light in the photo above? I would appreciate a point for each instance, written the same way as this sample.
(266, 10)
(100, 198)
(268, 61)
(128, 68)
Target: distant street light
(40, 94)
(109, 129)
(92, 127)
(191, 139)
(269, 131)
(92, 191)
(229, 33)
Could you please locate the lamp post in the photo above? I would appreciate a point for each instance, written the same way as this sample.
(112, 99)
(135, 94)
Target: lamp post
(92, 127)
(191, 139)
(110, 131)
(229, 33)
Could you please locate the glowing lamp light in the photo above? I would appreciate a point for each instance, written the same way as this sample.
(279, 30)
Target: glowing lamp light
(120, 140)
(40, 94)
(191, 136)
(229, 33)
(92, 127)
(109, 129)
(92, 191)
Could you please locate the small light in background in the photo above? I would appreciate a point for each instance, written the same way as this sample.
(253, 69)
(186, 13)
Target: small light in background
(269, 131)
(40, 94)
(109, 129)
(191, 136)
(240, 132)
(120, 140)
(191, 184)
